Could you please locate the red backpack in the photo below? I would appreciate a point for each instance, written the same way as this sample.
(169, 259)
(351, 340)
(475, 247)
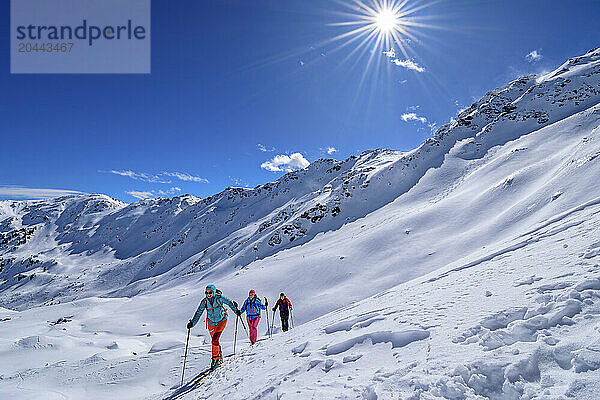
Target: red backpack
(219, 304)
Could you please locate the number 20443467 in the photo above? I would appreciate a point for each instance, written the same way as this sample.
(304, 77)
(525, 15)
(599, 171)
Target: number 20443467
(26, 47)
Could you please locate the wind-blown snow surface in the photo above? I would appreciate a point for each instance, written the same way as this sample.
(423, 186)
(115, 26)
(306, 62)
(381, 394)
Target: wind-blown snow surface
(466, 268)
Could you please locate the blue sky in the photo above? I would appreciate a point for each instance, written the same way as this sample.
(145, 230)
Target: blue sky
(241, 88)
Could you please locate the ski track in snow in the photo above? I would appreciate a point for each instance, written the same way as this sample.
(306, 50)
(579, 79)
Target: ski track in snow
(468, 268)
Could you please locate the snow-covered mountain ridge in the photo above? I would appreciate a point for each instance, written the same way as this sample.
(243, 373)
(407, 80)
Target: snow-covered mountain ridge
(237, 226)
(483, 240)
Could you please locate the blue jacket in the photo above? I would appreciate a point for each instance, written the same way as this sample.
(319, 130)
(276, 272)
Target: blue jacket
(252, 307)
(215, 310)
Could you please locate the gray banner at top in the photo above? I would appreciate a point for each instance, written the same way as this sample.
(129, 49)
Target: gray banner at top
(80, 36)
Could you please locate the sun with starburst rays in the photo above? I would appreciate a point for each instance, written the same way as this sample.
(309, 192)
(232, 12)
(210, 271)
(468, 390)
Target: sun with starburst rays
(380, 26)
(387, 31)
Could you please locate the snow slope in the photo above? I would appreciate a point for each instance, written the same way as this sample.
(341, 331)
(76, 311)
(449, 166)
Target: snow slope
(467, 267)
(499, 327)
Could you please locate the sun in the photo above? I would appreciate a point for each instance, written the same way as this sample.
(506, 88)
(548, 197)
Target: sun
(391, 29)
(386, 20)
(381, 23)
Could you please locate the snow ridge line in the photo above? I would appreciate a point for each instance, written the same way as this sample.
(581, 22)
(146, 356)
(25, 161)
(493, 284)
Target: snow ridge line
(564, 215)
(489, 257)
(525, 242)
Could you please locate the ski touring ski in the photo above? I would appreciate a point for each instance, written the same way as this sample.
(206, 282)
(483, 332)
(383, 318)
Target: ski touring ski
(196, 381)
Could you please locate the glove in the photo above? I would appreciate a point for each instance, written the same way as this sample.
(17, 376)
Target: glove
(266, 302)
(238, 312)
(189, 324)
(274, 308)
(235, 304)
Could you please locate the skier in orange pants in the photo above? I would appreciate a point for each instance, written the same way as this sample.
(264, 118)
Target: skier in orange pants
(216, 319)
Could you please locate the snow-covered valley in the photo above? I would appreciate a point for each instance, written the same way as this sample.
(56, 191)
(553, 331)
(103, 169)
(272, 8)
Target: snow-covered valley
(467, 268)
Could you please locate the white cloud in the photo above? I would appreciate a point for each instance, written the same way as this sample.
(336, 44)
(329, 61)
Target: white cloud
(413, 117)
(285, 163)
(141, 195)
(409, 64)
(391, 53)
(160, 178)
(149, 195)
(238, 182)
(19, 192)
(169, 192)
(263, 148)
(138, 176)
(185, 177)
(534, 56)
(331, 150)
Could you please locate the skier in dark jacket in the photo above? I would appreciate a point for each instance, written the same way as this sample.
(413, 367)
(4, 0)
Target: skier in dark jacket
(284, 310)
(216, 319)
(252, 307)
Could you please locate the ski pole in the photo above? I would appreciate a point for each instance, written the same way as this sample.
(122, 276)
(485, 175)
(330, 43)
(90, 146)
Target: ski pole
(244, 326)
(292, 316)
(185, 356)
(268, 331)
(273, 321)
(235, 336)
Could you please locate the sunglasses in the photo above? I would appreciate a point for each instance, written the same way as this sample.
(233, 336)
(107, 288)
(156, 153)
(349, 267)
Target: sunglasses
(209, 292)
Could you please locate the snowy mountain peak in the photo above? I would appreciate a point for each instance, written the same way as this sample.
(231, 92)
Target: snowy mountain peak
(467, 268)
(586, 64)
(189, 236)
